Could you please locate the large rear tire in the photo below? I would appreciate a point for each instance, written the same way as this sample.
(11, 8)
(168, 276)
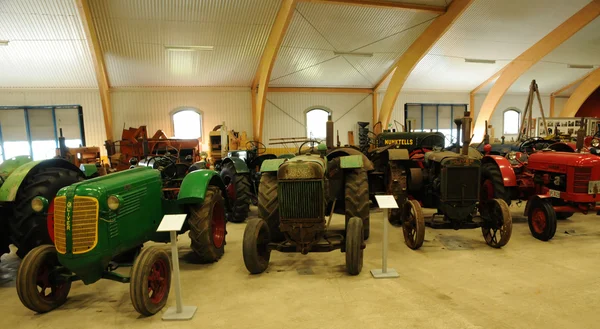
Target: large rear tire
(255, 247)
(150, 281)
(268, 205)
(239, 191)
(38, 284)
(207, 226)
(355, 245)
(29, 229)
(542, 220)
(492, 184)
(357, 198)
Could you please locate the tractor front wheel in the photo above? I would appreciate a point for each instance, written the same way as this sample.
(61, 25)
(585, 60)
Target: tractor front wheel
(268, 205)
(255, 246)
(39, 284)
(207, 226)
(357, 198)
(497, 226)
(150, 281)
(355, 246)
(238, 188)
(542, 220)
(413, 224)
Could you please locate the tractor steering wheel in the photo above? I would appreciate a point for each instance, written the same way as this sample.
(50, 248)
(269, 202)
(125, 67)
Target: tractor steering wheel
(527, 146)
(258, 146)
(312, 146)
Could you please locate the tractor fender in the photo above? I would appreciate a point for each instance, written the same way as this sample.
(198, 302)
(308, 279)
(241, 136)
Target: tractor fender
(240, 165)
(286, 156)
(195, 184)
(351, 162)
(367, 164)
(508, 174)
(8, 191)
(531, 201)
(272, 164)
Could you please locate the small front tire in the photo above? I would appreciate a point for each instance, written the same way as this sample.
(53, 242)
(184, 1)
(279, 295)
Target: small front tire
(355, 245)
(542, 220)
(256, 246)
(150, 281)
(413, 224)
(497, 230)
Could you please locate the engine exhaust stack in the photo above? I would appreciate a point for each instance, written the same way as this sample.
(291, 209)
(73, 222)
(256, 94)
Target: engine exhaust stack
(467, 122)
(329, 133)
(458, 123)
(581, 135)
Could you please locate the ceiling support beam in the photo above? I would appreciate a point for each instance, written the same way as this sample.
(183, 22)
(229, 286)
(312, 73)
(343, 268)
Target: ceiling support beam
(386, 4)
(561, 90)
(478, 88)
(375, 107)
(415, 53)
(581, 94)
(526, 60)
(85, 14)
(319, 90)
(261, 80)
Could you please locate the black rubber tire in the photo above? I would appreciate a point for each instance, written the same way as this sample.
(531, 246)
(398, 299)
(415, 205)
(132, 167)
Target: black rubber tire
(28, 229)
(268, 205)
(357, 198)
(490, 171)
(547, 231)
(27, 281)
(243, 189)
(138, 287)
(564, 215)
(200, 218)
(4, 236)
(498, 210)
(254, 248)
(354, 245)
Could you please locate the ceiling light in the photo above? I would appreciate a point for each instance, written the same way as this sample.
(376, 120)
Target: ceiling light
(480, 61)
(3, 42)
(338, 53)
(189, 48)
(576, 66)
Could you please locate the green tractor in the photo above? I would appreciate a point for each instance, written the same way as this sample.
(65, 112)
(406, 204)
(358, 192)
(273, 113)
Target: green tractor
(101, 218)
(21, 180)
(294, 198)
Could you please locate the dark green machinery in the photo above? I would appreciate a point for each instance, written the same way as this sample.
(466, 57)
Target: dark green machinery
(295, 197)
(100, 218)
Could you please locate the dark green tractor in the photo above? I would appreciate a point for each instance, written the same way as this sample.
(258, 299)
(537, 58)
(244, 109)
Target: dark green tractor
(97, 220)
(295, 198)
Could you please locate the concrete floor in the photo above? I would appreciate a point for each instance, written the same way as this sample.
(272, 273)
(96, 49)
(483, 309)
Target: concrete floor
(454, 281)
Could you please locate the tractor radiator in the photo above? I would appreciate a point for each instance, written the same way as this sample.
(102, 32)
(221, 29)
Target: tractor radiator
(460, 183)
(301, 199)
(582, 179)
(81, 220)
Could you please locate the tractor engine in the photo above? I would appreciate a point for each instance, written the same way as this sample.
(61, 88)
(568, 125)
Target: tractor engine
(301, 195)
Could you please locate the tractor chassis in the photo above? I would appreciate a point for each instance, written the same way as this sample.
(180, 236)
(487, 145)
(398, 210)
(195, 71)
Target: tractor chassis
(330, 241)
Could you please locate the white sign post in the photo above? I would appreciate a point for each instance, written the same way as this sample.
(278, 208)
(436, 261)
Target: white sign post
(172, 224)
(385, 202)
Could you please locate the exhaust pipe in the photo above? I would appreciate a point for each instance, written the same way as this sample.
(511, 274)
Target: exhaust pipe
(329, 133)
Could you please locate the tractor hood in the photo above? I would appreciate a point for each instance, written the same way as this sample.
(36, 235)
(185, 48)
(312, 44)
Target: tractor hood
(559, 161)
(302, 167)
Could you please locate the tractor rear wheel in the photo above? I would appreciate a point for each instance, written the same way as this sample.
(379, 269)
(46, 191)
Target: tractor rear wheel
(413, 224)
(39, 284)
(207, 226)
(357, 198)
(255, 247)
(29, 229)
(268, 205)
(497, 227)
(355, 245)
(542, 220)
(238, 188)
(492, 184)
(150, 281)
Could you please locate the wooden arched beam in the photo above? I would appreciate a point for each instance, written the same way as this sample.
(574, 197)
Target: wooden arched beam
(83, 8)
(579, 96)
(415, 53)
(261, 81)
(526, 60)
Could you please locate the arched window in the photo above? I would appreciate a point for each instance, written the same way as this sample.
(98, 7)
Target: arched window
(187, 123)
(512, 120)
(316, 120)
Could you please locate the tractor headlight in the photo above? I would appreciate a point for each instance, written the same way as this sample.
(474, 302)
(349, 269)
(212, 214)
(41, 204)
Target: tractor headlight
(595, 142)
(39, 204)
(512, 156)
(113, 202)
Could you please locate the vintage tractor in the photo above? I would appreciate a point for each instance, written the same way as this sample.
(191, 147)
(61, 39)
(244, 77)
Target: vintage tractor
(295, 197)
(98, 219)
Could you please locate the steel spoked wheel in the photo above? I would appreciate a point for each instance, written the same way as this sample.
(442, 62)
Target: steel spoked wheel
(255, 246)
(497, 226)
(413, 224)
(150, 281)
(542, 220)
(355, 245)
(39, 284)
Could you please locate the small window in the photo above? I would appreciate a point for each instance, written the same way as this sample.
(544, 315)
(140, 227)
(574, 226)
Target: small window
(512, 119)
(316, 123)
(187, 124)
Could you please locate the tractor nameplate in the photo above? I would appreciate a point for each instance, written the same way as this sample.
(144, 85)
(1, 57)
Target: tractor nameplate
(406, 142)
(351, 161)
(271, 165)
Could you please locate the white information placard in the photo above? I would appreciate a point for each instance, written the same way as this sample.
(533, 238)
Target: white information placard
(386, 201)
(171, 223)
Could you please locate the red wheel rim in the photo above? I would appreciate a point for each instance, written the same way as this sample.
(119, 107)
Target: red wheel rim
(231, 191)
(218, 225)
(538, 220)
(50, 220)
(487, 190)
(158, 282)
(47, 289)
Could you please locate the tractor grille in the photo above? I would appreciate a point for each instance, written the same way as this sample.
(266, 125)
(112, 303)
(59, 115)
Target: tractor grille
(460, 183)
(83, 224)
(582, 179)
(60, 238)
(301, 199)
